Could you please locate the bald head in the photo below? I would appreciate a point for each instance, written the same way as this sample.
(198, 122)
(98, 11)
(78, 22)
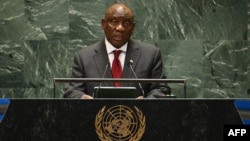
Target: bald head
(119, 10)
(118, 24)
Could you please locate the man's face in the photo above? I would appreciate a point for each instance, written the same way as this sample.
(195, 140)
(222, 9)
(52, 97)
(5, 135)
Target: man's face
(118, 25)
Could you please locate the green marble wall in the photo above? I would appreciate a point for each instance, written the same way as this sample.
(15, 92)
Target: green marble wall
(203, 41)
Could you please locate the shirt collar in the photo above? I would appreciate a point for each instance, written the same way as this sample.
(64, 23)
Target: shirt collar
(110, 48)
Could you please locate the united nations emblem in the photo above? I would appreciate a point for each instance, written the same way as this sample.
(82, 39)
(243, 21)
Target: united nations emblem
(120, 123)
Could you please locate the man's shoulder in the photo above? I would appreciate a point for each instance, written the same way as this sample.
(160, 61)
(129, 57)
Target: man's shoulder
(90, 48)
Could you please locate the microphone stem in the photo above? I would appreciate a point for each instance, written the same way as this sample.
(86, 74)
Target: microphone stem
(103, 75)
(136, 78)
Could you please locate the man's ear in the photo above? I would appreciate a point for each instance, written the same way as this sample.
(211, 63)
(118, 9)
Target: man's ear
(103, 24)
(133, 25)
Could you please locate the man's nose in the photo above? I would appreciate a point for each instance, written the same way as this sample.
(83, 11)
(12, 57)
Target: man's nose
(120, 27)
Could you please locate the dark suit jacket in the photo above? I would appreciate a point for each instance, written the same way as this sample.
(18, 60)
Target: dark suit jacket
(91, 61)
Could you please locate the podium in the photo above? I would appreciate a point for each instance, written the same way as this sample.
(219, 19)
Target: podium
(158, 120)
(126, 80)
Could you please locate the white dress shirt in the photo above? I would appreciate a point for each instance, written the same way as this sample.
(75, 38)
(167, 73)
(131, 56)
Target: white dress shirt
(110, 48)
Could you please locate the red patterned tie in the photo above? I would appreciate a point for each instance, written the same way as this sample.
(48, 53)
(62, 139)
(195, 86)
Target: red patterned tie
(116, 67)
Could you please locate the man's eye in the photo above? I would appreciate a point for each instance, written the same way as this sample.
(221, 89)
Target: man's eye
(127, 23)
(113, 22)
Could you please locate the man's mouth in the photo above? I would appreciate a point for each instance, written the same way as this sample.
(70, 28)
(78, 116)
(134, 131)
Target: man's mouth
(117, 37)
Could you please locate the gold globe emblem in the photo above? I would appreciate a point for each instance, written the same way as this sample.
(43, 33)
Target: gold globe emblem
(120, 123)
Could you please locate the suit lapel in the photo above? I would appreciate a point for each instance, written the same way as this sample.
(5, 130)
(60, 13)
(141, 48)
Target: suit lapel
(133, 53)
(99, 59)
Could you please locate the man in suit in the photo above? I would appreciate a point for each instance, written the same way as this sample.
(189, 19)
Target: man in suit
(96, 61)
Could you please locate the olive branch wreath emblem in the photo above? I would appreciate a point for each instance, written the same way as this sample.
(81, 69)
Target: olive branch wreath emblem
(136, 137)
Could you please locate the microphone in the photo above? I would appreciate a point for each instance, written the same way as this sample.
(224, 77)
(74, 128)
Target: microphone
(130, 65)
(103, 75)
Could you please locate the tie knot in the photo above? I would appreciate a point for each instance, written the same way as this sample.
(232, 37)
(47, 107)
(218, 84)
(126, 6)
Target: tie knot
(117, 53)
